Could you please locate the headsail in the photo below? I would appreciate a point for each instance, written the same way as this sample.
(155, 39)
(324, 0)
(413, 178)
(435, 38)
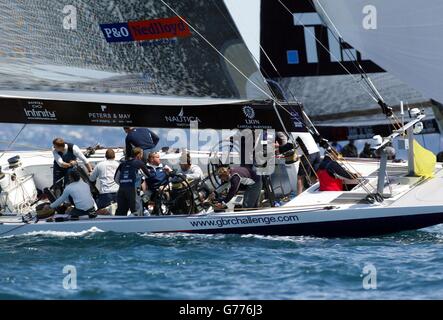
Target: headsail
(313, 65)
(125, 47)
(402, 36)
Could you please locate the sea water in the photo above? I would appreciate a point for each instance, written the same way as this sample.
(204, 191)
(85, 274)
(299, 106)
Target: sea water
(98, 265)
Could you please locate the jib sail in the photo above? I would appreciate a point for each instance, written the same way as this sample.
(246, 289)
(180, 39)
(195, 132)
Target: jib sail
(402, 36)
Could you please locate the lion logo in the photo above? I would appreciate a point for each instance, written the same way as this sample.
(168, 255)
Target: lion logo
(249, 112)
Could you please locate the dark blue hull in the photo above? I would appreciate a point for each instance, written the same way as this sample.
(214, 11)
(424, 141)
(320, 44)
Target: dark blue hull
(345, 228)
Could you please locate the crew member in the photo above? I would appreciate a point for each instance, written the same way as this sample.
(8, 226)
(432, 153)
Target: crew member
(282, 144)
(157, 177)
(66, 155)
(337, 146)
(366, 152)
(331, 175)
(189, 170)
(310, 158)
(129, 179)
(350, 150)
(237, 177)
(104, 172)
(142, 138)
(158, 173)
(79, 194)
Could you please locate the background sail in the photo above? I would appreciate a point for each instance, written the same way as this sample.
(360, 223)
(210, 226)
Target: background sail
(402, 36)
(249, 28)
(124, 47)
(315, 73)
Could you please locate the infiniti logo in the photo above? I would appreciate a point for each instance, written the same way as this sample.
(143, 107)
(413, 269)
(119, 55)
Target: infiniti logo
(36, 111)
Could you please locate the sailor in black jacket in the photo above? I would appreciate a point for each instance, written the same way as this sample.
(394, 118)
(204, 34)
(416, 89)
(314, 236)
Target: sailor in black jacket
(241, 176)
(142, 138)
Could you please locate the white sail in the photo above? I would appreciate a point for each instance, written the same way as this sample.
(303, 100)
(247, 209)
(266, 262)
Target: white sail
(402, 36)
(249, 28)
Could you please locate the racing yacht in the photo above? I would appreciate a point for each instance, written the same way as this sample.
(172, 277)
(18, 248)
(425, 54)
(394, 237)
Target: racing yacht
(172, 64)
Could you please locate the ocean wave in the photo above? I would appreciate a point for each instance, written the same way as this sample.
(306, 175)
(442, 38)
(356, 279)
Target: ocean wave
(183, 235)
(296, 239)
(62, 234)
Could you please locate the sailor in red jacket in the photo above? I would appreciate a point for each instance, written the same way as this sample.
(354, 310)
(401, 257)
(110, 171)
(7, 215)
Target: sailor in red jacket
(331, 174)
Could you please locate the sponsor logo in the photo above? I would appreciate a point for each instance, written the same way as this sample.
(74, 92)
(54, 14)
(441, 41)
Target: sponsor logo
(250, 116)
(249, 112)
(36, 111)
(242, 221)
(296, 119)
(145, 30)
(181, 119)
(106, 116)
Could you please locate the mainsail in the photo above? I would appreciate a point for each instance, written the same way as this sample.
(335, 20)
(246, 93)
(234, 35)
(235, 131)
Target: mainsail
(402, 36)
(128, 47)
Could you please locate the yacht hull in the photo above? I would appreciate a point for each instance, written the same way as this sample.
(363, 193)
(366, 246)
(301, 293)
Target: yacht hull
(320, 222)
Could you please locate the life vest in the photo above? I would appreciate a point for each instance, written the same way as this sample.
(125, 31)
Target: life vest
(129, 175)
(157, 178)
(327, 182)
(67, 157)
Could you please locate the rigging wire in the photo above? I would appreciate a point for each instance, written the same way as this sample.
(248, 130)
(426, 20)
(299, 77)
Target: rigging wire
(353, 59)
(263, 70)
(376, 96)
(332, 55)
(335, 155)
(32, 147)
(242, 73)
(8, 148)
(218, 51)
(371, 90)
(350, 54)
(256, 59)
(228, 61)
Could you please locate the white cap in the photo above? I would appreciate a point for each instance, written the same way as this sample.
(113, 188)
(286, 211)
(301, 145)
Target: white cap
(377, 140)
(414, 112)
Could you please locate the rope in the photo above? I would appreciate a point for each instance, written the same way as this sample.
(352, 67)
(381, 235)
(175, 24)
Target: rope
(276, 110)
(332, 55)
(252, 82)
(232, 64)
(353, 59)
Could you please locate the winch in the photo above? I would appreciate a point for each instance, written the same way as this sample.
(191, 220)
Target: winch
(17, 189)
(179, 196)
